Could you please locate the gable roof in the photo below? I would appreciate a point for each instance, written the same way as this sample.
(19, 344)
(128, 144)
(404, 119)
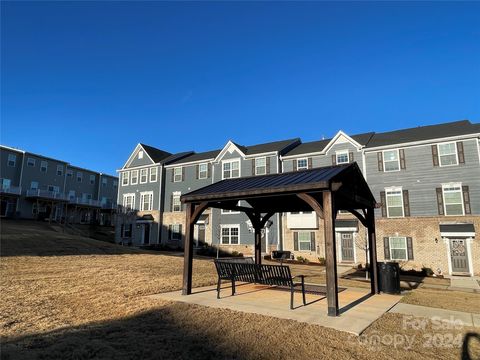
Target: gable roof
(421, 133)
(155, 154)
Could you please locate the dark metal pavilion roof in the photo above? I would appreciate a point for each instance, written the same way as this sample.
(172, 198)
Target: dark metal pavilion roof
(277, 192)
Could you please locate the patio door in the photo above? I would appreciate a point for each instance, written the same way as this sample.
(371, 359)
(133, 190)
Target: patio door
(346, 239)
(459, 256)
(146, 234)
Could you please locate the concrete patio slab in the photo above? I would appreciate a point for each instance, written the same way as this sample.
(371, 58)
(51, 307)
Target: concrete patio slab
(358, 309)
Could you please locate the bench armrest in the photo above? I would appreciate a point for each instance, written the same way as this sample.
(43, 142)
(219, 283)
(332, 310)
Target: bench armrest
(299, 276)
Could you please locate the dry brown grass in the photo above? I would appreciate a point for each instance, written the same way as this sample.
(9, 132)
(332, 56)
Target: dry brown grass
(93, 306)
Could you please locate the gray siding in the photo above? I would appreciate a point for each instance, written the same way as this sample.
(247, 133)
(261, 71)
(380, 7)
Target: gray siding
(9, 172)
(138, 188)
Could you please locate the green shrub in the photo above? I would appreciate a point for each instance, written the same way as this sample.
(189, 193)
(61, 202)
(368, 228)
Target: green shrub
(321, 261)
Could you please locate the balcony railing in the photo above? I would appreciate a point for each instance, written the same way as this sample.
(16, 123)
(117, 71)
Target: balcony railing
(46, 194)
(109, 205)
(83, 201)
(13, 190)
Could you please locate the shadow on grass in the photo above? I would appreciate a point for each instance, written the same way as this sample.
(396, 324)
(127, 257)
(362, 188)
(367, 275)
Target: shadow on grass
(166, 333)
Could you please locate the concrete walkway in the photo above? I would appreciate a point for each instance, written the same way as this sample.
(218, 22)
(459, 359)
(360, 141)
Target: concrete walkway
(358, 309)
(450, 316)
(464, 283)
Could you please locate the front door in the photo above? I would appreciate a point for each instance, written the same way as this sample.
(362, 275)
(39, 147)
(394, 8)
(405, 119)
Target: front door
(146, 234)
(200, 240)
(459, 256)
(347, 246)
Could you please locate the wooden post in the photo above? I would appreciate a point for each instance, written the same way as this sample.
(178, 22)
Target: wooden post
(372, 249)
(188, 252)
(258, 244)
(330, 253)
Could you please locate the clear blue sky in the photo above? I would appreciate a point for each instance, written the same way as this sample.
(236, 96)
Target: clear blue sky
(87, 81)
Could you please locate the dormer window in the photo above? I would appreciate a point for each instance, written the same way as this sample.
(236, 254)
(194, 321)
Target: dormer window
(342, 157)
(302, 164)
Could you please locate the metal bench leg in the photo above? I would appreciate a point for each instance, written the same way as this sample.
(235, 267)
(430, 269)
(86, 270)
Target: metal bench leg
(233, 286)
(303, 291)
(292, 290)
(219, 283)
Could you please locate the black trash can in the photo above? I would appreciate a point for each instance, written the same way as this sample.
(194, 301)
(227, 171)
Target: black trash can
(389, 277)
(281, 255)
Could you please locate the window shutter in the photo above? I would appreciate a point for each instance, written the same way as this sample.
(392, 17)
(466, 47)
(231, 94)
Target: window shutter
(461, 154)
(267, 164)
(295, 241)
(209, 166)
(180, 231)
(122, 230)
(402, 159)
(350, 157)
(309, 162)
(386, 248)
(406, 203)
(197, 170)
(435, 155)
(383, 201)
(409, 248)
(380, 161)
(440, 201)
(253, 167)
(334, 159)
(294, 165)
(169, 232)
(171, 202)
(312, 241)
(173, 174)
(466, 200)
(183, 173)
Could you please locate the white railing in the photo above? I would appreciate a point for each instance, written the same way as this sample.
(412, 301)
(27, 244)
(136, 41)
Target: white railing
(109, 205)
(14, 190)
(83, 201)
(46, 194)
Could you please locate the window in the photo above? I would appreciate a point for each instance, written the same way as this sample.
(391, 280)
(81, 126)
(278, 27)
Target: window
(104, 181)
(125, 178)
(230, 234)
(391, 160)
(447, 154)
(53, 188)
(202, 171)
(146, 201)
(143, 176)
(302, 164)
(134, 179)
(5, 183)
(304, 240)
(104, 200)
(30, 162)
(127, 230)
(140, 154)
(394, 201)
(153, 174)
(177, 174)
(227, 212)
(43, 166)
(176, 203)
(92, 179)
(59, 170)
(231, 169)
(69, 173)
(79, 176)
(398, 248)
(453, 199)
(115, 183)
(34, 185)
(260, 166)
(12, 159)
(342, 157)
(175, 232)
(129, 201)
(71, 195)
(34, 209)
(86, 196)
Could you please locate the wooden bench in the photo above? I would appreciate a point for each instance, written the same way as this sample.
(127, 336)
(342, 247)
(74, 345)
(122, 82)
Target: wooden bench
(245, 270)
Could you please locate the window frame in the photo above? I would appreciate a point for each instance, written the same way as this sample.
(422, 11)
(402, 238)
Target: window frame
(125, 176)
(92, 179)
(12, 158)
(229, 227)
(230, 162)
(303, 232)
(69, 172)
(143, 172)
(176, 202)
(140, 154)
(31, 162)
(302, 167)
(440, 156)
(385, 161)
(143, 195)
(79, 176)
(59, 170)
(341, 153)
(397, 248)
(34, 188)
(127, 196)
(176, 231)
(104, 181)
(152, 172)
(394, 190)
(175, 169)
(44, 165)
(200, 171)
(264, 158)
(460, 190)
(134, 177)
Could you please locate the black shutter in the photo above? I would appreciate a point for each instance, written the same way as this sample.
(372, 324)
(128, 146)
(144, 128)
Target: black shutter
(197, 171)
(440, 201)
(295, 241)
(461, 154)
(169, 232)
(466, 200)
(350, 157)
(173, 174)
(383, 201)
(171, 203)
(409, 248)
(183, 173)
(334, 159)
(402, 159)
(386, 248)
(309, 162)
(380, 161)
(312, 241)
(209, 170)
(267, 164)
(435, 155)
(294, 165)
(180, 231)
(122, 230)
(406, 203)
(253, 167)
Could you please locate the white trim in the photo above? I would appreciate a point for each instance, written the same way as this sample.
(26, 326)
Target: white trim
(131, 177)
(206, 171)
(457, 234)
(254, 170)
(132, 195)
(230, 226)
(468, 242)
(140, 176)
(135, 167)
(398, 160)
(232, 161)
(181, 174)
(151, 172)
(335, 138)
(342, 152)
(390, 247)
(394, 189)
(459, 185)
(150, 200)
(132, 156)
(210, 160)
(303, 158)
(13, 149)
(439, 156)
(228, 145)
(271, 153)
(122, 175)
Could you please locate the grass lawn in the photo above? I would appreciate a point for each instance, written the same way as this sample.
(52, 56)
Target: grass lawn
(72, 298)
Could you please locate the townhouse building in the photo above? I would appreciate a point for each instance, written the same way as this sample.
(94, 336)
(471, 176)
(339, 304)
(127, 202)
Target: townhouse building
(38, 187)
(426, 181)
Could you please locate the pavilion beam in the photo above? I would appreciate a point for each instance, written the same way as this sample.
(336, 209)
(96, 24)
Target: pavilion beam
(310, 200)
(372, 250)
(188, 252)
(330, 253)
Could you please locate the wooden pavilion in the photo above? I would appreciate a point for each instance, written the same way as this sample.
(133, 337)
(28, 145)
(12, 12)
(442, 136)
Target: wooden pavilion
(324, 190)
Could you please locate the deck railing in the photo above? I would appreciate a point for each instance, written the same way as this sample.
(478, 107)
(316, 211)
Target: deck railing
(13, 190)
(46, 194)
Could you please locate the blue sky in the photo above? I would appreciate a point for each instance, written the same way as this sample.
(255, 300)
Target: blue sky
(87, 81)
